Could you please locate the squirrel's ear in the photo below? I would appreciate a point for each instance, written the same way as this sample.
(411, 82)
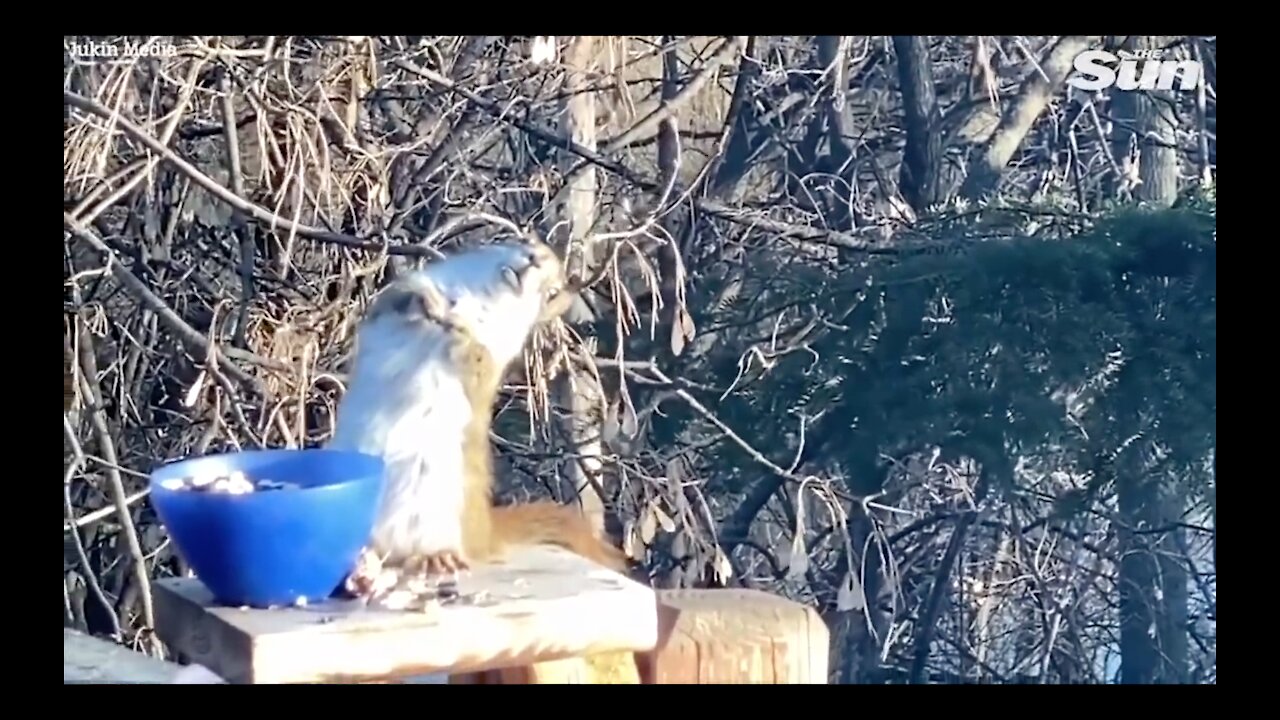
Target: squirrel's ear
(417, 304)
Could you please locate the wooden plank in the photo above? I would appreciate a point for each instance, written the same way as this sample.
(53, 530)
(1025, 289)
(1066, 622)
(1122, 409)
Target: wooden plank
(87, 659)
(542, 604)
(739, 636)
(615, 668)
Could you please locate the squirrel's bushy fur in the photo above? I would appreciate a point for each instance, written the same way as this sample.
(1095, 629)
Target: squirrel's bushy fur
(430, 359)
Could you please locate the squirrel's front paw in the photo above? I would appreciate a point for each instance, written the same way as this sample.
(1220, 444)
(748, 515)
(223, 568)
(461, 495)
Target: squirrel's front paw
(444, 562)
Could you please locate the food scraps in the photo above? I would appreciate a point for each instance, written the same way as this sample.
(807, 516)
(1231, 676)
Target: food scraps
(233, 483)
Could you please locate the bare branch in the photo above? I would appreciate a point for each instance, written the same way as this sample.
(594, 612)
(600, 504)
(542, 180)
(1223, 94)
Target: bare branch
(1033, 97)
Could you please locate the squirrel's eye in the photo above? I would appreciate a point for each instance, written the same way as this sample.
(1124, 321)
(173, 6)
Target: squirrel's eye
(410, 306)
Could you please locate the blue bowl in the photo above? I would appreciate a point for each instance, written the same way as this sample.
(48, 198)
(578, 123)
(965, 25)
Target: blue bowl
(271, 547)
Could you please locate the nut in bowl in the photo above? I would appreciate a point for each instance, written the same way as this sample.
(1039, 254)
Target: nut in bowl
(268, 528)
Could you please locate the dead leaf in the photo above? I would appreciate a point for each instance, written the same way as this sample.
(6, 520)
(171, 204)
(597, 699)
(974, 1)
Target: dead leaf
(682, 506)
(664, 519)
(680, 545)
(850, 595)
(723, 568)
(798, 562)
(193, 392)
(682, 331)
(648, 525)
(631, 540)
(609, 428)
(686, 324)
(630, 424)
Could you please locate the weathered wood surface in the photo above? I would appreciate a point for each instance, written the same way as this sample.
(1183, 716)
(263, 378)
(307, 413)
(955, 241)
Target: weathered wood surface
(87, 659)
(543, 604)
(731, 636)
(723, 636)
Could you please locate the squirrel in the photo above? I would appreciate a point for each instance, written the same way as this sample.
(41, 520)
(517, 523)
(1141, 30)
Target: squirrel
(431, 355)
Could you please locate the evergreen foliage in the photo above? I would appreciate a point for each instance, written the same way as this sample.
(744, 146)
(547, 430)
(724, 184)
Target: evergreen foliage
(1013, 347)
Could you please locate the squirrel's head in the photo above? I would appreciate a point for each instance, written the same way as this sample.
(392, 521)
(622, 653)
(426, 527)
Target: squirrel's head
(497, 293)
(540, 275)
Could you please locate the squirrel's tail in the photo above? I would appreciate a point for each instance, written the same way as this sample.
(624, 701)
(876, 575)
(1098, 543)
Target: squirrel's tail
(550, 523)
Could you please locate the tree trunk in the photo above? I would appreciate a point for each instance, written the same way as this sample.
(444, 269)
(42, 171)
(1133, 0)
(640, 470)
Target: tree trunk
(740, 123)
(922, 156)
(578, 392)
(1153, 583)
(866, 627)
(1144, 135)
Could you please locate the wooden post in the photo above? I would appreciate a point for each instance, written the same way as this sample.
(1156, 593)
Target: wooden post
(705, 637)
(543, 604)
(734, 636)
